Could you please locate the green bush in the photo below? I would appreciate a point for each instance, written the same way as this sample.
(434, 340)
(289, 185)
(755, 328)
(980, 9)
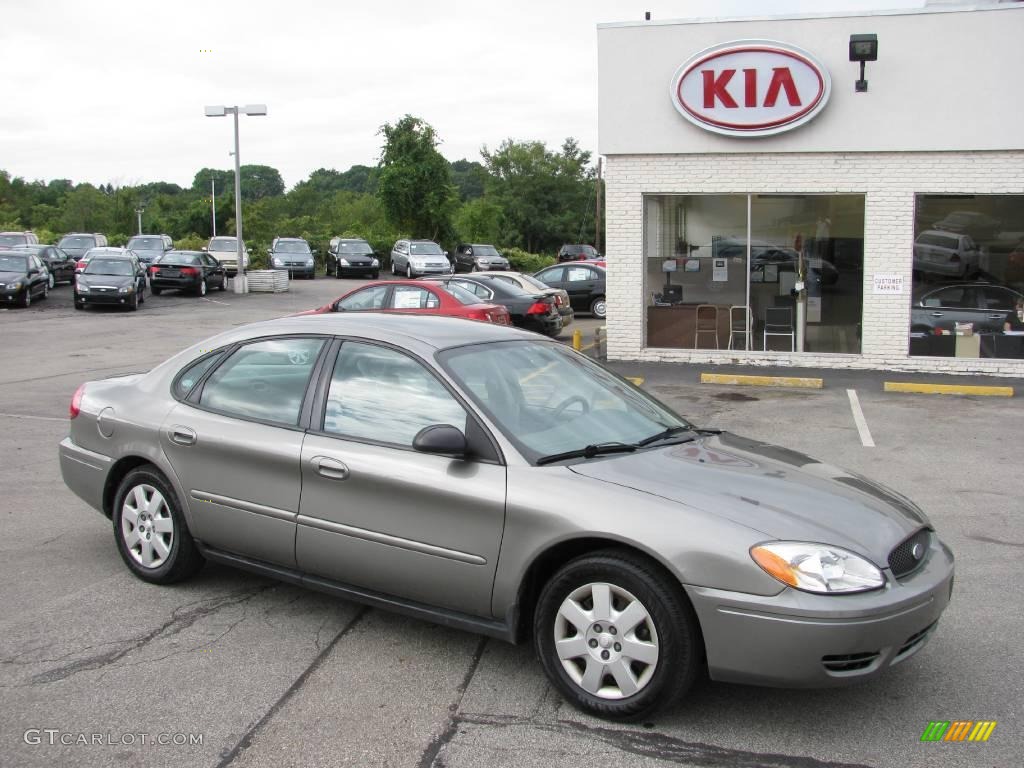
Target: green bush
(522, 261)
(191, 242)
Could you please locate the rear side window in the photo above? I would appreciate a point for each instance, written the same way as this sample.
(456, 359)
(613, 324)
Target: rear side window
(265, 380)
(188, 378)
(413, 297)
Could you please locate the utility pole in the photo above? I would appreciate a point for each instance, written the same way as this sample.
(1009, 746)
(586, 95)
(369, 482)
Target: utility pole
(597, 207)
(213, 205)
(138, 212)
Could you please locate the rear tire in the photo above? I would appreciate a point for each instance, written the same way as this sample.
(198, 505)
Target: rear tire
(616, 636)
(201, 288)
(150, 530)
(598, 308)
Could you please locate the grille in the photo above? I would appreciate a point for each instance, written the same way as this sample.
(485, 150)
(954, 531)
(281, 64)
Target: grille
(850, 662)
(902, 560)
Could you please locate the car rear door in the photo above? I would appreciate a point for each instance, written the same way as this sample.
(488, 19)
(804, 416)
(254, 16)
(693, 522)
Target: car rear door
(377, 514)
(581, 284)
(235, 443)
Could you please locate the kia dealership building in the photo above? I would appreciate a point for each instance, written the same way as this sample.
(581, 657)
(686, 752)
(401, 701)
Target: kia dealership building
(840, 191)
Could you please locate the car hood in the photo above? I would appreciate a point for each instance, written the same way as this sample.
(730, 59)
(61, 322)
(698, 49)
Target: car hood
(10, 277)
(115, 280)
(356, 258)
(782, 493)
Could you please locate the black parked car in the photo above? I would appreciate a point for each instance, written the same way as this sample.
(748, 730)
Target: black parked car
(23, 276)
(60, 264)
(585, 284)
(983, 304)
(578, 252)
(192, 271)
(475, 257)
(350, 256)
(111, 277)
(534, 311)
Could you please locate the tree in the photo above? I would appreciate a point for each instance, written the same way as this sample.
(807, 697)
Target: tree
(469, 178)
(546, 196)
(258, 181)
(479, 221)
(415, 184)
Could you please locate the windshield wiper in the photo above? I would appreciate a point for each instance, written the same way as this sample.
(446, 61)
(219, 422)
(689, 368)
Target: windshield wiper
(588, 452)
(665, 435)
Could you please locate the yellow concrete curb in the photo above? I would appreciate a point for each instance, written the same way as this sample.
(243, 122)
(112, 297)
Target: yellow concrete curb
(762, 381)
(638, 380)
(946, 389)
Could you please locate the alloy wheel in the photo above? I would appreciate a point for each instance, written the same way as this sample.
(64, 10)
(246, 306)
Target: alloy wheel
(147, 526)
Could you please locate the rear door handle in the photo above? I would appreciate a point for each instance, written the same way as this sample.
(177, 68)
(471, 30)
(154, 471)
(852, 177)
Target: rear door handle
(332, 469)
(183, 435)
(938, 314)
(995, 317)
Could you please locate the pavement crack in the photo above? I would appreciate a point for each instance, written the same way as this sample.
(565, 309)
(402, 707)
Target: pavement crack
(658, 746)
(229, 756)
(180, 620)
(439, 742)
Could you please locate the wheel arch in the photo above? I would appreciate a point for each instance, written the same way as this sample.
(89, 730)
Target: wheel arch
(120, 470)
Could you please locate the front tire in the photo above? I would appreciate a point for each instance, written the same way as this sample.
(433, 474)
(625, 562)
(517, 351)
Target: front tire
(376, 274)
(53, 281)
(408, 271)
(616, 636)
(26, 300)
(150, 530)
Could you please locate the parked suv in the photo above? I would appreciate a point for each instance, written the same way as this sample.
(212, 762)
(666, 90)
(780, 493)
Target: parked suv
(149, 248)
(14, 239)
(225, 250)
(578, 252)
(76, 244)
(351, 256)
(946, 253)
(414, 258)
(474, 257)
(294, 255)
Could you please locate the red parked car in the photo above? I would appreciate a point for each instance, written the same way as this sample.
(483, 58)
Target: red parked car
(416, 297)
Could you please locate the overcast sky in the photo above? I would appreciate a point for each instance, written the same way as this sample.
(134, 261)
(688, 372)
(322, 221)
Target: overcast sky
(113, 91)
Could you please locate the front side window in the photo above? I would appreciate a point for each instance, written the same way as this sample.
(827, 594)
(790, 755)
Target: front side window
(369, 381)
(365, 300)
(474, 288)
(265, 380)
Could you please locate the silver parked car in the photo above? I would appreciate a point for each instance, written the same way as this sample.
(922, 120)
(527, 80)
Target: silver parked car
(496, 481)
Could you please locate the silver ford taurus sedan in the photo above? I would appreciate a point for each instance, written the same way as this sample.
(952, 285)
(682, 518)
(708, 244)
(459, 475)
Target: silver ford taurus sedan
(496, 481)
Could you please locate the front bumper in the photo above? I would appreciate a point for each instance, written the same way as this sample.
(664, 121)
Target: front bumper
(445, 269)
(800, 640)
(296, 271)
(10, 297)
(549, 325)
(84, 472)
(358, 269)
(109, 299)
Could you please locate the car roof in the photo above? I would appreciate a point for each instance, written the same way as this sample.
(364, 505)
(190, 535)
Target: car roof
(110, 250)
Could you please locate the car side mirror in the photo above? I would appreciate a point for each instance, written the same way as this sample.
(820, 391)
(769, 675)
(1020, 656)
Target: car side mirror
(446, 253)
(441, 439)
(33, 271)
(205, 249)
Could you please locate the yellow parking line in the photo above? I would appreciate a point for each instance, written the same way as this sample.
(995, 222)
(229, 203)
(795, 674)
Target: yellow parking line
(947, 389)
(762, 381)
(638, 380)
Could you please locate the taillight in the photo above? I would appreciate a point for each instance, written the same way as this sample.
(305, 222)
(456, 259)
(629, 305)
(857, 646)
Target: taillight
(538, 308)
(154, 270)
(76, 401)
(558, 301)
(189, 271)
(79, 266)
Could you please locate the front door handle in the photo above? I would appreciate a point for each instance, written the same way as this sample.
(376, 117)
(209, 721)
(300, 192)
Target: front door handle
(332, 469)
(938, 314)
(995, 317)
(183, 435)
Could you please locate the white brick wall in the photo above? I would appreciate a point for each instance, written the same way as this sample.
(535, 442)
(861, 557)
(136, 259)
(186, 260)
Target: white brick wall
(888, 180)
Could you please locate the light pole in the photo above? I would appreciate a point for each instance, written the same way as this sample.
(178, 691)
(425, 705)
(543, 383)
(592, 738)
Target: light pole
(213, 205)
(138, 212)
(253, 110)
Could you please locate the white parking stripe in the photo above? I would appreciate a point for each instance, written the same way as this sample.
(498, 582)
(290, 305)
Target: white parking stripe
(859, 420)
(222, 303)
(37, 418)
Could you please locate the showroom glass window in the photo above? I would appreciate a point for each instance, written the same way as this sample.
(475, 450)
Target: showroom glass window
(968, 276)
(720, 271)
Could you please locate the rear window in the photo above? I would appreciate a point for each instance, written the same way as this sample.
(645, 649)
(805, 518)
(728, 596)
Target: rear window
(179, 258)
(462, 295)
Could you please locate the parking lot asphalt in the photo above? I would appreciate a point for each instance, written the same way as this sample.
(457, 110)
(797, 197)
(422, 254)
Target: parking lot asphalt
(269, 674)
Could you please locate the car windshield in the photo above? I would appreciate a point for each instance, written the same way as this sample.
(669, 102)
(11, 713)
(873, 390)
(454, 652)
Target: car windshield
(425, 249)
(178, 258)
(9, 240)
(146, 244)
(223, 244)
(485, 250)
(13, 263)
(549, 400)
(292, 246)
(356, 248)
(463, 295)
(77, 241)
(100, 266)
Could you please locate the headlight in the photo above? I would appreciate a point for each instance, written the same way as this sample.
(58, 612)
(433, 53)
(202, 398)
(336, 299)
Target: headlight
(16, 285)
(277, 262)
(126, 289)
(817, 567)
(310, 263)
(375, 262)
(82, 287)
(343, 262)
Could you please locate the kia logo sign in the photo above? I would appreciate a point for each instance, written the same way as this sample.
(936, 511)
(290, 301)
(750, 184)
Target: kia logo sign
(750, 88)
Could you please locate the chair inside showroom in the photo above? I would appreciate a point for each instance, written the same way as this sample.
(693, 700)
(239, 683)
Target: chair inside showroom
(739, 325)
(707, 323)
(778, 321)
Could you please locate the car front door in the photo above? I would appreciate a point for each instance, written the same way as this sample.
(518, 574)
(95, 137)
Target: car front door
(943, 308)
(377, 514)
(235, 442)
(998, 303)
(367, 299)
